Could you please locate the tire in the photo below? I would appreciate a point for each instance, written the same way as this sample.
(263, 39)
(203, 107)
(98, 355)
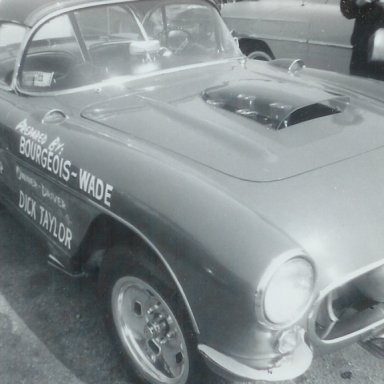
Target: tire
(256, 50)
(259, 55)
(148, 322)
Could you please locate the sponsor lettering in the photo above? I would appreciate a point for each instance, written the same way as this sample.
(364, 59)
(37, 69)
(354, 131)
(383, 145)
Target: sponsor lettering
(27, 204)
(95, 187)
(49, 157)
(57, 229)
(34, 134)
(20, 175)
(46, 193)
(46, 219)
(56, 146)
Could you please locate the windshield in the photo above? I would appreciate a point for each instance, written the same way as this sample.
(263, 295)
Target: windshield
(128, 39)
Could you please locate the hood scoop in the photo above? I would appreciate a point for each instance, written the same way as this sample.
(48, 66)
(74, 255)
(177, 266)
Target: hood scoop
(275, 105)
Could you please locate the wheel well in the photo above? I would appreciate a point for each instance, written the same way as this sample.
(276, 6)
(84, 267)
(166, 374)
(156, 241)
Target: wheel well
(248, 45)
(106, 232)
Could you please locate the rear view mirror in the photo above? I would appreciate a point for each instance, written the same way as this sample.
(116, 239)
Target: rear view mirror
(145, 46)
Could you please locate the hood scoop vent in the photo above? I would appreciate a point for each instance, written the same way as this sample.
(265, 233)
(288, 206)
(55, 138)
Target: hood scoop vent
(275, 105)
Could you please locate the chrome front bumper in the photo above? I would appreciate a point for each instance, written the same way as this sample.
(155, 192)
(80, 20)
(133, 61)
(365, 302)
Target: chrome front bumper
(288, 367)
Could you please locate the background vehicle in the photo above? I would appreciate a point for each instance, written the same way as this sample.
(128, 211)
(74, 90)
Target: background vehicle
(312, 30)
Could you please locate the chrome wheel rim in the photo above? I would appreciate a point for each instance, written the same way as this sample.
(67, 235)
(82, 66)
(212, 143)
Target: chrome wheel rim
(149, 332)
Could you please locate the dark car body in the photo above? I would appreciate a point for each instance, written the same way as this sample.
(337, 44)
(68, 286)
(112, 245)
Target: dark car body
(223, 174)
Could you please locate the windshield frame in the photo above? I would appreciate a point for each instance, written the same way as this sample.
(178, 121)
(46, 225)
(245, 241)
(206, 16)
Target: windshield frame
(16, 84)
(11, 86)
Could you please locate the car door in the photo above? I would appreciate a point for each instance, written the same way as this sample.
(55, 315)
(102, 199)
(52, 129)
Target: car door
(329, 37)
(37, 146)
(11, 38)
(281, 24)
(41, 167)
(59, 183)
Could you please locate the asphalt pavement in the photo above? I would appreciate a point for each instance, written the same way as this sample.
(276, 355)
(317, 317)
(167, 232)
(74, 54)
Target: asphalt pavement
(24, 358)
(52, 331)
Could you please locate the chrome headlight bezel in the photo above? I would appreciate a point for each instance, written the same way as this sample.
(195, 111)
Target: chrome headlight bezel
(267, 278)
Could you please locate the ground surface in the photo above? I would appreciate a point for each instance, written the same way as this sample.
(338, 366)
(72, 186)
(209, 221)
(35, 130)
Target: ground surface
(52, 332)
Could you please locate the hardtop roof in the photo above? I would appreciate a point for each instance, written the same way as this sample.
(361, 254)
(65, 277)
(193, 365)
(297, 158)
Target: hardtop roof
(28, 12)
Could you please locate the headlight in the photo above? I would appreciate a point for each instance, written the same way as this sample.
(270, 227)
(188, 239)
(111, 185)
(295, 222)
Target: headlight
(286, 291)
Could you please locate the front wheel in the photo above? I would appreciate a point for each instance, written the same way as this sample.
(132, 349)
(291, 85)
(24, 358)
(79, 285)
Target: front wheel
(150, 327)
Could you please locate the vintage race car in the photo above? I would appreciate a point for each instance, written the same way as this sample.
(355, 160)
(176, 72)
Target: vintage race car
(233, 208)
(313, 30)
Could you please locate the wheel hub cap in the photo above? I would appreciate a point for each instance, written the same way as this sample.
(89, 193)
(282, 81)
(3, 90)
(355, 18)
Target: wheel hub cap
(149, 332)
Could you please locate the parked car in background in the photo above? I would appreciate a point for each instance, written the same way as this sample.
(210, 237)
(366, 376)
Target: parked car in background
(313, 30)
(232, 208)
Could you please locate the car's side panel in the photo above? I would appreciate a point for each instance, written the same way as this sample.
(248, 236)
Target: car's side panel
(7, 105)
(329, 38)
(282, 25)
(40, 173)
(314, 31)
(146, 189)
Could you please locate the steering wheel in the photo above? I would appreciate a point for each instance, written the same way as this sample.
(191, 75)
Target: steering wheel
(176, 39)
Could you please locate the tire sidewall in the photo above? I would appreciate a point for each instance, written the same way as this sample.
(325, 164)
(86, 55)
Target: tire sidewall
(116, 266)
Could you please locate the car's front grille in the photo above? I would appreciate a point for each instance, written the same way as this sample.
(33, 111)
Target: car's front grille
(346, 312)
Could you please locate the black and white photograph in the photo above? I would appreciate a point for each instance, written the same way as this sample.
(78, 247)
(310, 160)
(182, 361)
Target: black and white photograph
(191, 191)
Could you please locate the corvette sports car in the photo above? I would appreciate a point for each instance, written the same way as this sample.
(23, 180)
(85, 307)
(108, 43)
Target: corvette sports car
(233, 209)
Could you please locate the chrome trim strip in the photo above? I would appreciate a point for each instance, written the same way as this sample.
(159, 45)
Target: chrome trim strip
(269, 38)
(65, 271)
(354, 336)
(56, 261)
(322, 296)
(332, 45)
(293, 40)
(124, 79)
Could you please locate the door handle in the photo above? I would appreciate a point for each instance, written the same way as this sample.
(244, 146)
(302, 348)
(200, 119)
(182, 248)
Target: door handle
(54, 116)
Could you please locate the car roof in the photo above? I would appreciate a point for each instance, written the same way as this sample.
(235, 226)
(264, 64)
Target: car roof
(29, 12)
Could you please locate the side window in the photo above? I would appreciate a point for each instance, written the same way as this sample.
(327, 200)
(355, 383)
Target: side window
(104, 24)
(108, 32)
(53, 58)
(11, 37)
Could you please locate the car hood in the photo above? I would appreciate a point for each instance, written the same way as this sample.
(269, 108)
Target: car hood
(250, 121)
(335, 214)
